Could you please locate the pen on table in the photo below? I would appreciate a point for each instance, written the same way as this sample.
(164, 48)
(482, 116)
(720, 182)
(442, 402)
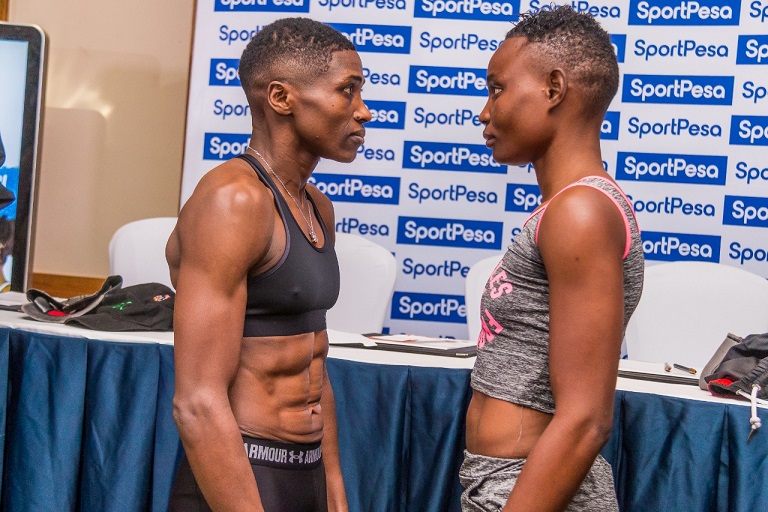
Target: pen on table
(692, 371)
(668, 367)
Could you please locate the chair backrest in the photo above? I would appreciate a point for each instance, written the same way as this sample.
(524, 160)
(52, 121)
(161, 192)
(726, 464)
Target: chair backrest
(477, 278)
(688, 308)
(137, 251)
(368, 273)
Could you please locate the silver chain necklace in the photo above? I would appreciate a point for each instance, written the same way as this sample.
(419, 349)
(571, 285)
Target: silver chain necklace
(312, 235)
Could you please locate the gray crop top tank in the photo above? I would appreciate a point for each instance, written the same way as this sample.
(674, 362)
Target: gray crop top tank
(513, 346)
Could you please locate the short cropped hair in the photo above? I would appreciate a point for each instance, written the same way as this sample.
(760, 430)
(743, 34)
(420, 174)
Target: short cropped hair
(298, 48)
(577, 42)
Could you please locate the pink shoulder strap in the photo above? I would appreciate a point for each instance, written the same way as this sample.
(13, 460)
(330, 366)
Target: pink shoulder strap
(627, 227)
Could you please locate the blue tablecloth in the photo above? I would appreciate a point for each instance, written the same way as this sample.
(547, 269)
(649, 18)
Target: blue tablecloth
(87, 426)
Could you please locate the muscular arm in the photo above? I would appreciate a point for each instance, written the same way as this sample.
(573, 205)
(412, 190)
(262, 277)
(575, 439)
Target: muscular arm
(216, 245)
(337, 497)
(581, 240)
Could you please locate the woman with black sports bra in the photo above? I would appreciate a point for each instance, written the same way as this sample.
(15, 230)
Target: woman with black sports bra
(254, 268)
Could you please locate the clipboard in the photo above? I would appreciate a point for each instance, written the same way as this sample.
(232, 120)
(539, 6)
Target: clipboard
(423, 345)
(655, 377)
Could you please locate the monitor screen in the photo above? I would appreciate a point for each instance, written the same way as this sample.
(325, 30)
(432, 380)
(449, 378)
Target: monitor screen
(22, 61)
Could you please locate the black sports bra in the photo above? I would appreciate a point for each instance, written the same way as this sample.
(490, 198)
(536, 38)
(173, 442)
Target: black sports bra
(293, 296)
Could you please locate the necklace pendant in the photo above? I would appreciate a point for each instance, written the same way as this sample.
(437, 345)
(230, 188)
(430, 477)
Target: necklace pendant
(308, 221)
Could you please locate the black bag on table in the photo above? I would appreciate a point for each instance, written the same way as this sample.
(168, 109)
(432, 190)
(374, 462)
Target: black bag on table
(141, 307)
(743, 365)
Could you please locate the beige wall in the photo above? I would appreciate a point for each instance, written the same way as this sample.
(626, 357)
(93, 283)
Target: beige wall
(114, 122)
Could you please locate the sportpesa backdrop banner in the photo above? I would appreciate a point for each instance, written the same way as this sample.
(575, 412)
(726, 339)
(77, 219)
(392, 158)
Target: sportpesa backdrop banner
(686, 136)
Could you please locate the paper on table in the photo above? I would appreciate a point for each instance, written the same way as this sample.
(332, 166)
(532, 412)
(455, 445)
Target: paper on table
(348, 338)
(403, 337)
(413, 340)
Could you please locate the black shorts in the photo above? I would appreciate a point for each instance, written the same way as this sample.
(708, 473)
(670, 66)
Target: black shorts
(290, 478)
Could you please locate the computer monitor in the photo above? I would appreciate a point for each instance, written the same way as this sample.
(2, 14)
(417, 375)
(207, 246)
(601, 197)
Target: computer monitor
(22, 72)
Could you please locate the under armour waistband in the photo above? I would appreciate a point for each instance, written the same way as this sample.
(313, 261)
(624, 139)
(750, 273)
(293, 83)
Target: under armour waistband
(276, 454)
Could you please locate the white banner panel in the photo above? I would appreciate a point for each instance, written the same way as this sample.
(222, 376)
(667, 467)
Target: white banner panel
(686, 136)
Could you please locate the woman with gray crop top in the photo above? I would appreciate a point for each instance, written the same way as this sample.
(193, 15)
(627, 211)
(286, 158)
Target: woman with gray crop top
(555, 308)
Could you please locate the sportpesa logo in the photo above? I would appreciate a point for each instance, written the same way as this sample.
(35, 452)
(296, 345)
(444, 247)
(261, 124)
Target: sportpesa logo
(349, 188)
(447, 268)
(389, 5)
(619, 43)
(377, 38)
(457, 117)
(223, 146)
(742, 254)
(752, 50)
(464, 41)
(224, 110)
(750, 174)
(609, 130)
(239, 36)
(660, 246)
(224, 72)
(672, 205)
(672, 168)
(522, 197)
(386, 114)
(451, 193)
(758, 9)
(473, 234)
(745, 211)
(684, 12)
(749, 130)
(381, 78)
(356, 226)
(429, 307)
(682, 48)
(441, 80)
(450, 156)
(674, 127)
(596, 11)
(376, 154)
(262, 5)
(482, 10)
(754, 92)
(680, 90)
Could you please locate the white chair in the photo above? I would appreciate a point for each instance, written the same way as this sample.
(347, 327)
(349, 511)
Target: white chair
(368, 273)
(688, 308)
(137, 251)
(477, 278)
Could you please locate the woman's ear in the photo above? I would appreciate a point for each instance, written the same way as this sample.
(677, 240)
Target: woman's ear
(557, 86)
(279, 97)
